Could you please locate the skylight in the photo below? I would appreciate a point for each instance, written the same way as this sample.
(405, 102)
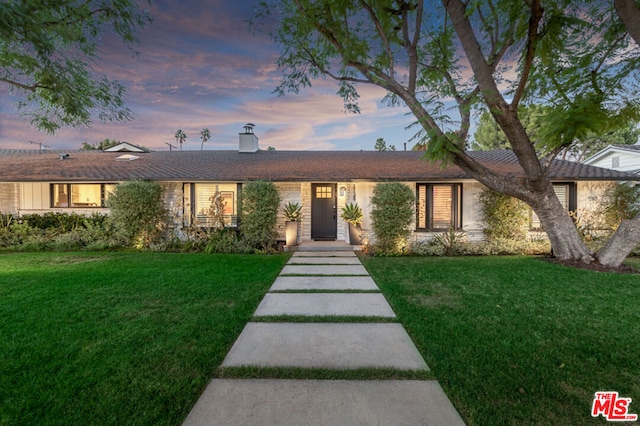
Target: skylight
(127, 157)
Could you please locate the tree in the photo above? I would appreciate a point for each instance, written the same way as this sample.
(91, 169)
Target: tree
(259, 222)
(381, 145)
(205, 135)
(47, 53)
(138, 210)
(100, 146)
(181, 137)
(489, 136)
(574, 57)
(393, 206)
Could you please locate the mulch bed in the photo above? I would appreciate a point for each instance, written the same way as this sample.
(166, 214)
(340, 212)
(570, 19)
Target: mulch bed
(593, 266)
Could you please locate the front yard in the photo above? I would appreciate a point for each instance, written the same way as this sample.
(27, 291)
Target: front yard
(517, 340)
(125, 338)
(133, 338)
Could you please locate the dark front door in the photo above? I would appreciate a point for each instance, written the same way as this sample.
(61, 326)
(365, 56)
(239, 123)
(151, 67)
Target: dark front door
(324, 222)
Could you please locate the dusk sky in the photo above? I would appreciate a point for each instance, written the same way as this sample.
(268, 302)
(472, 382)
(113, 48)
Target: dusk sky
(200, 66)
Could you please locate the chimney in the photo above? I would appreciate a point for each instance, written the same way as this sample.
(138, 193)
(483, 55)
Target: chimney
(248, 140)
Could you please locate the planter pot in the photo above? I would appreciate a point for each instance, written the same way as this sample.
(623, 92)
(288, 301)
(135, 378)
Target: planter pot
(291, 233)
(355, 235)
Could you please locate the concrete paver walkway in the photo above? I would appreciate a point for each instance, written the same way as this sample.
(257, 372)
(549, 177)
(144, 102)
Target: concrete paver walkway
(257, 402)
(325, 304)
(325, 345)
(341, 280)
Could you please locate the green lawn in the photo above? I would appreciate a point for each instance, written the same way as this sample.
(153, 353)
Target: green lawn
(517, 340)
(124, 338)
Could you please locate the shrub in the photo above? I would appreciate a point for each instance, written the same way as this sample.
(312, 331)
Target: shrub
(495, 247)
(138, 210)
(620, 202)
(223, 240)
(505, 217)
(260, 204)
(451, 241)
(391, 215)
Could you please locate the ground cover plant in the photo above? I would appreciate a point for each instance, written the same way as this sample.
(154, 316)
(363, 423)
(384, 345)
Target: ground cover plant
(119, 338)
(518, 340)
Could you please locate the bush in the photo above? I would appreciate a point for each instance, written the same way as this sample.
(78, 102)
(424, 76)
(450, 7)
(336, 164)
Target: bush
(495, 247)
(392, 213)
(620, 202)
(138, 210)
(505, 217)
(259, 217)
(223, 240)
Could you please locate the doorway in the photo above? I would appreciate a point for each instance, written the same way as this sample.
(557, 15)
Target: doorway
(324, 219)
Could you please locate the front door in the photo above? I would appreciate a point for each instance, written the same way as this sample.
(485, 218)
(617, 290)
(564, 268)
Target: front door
(324, 221)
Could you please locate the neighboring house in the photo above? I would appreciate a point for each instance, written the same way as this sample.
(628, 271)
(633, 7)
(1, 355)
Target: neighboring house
(322, 181)
(126, 147)
(623, 158)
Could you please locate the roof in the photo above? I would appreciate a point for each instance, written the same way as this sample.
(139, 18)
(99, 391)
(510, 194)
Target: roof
(126, 147)
(634, 149)
(232, 166)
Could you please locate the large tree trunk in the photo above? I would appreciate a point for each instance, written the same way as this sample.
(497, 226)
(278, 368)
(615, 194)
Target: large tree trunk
(629, 14)
(561, 230)
(618, 247)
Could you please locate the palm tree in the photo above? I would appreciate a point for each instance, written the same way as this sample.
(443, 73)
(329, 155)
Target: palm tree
(205, 135)
(180, 136)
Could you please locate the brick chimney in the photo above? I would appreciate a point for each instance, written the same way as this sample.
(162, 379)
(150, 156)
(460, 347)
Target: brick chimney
(248, 140)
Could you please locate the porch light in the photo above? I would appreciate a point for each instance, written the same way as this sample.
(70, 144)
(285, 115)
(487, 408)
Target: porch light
(343, 191)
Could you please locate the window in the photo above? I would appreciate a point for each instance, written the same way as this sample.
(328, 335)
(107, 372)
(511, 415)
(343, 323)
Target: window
(566, 193)
(204, 196)
(615, 162)
(80, 195)
(324, 192)
(439, 207)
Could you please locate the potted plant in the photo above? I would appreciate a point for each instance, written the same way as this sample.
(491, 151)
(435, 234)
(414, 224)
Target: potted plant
(352, 214)
(293, 213)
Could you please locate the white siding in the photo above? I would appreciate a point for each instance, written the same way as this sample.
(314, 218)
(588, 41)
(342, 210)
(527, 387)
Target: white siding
(627, 161)
(471, 218)
(35, 196)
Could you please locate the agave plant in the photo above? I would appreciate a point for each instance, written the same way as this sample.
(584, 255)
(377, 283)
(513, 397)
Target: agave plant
(293, 211)
(352, 213)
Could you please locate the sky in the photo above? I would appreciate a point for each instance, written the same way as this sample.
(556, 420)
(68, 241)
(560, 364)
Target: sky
(200, 66)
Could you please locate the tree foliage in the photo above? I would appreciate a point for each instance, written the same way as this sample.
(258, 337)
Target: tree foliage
(260, 204)
(381, 145)
(504, 217)
(574, 57)
(621, 202)
(181, 137)
(392, 213)
(205, 135)
(489, 136)
(47, 53)
(100, 146)
(138, 210)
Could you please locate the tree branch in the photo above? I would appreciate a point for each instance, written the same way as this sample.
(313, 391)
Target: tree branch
(532, 38)
(382, 35)
(30, 88)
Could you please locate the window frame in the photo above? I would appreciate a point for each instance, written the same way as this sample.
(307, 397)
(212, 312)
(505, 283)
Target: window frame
(427, 204)
(232, 219)
(69, 195)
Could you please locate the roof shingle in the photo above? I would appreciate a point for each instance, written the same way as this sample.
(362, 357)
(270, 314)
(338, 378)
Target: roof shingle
(232, 166)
